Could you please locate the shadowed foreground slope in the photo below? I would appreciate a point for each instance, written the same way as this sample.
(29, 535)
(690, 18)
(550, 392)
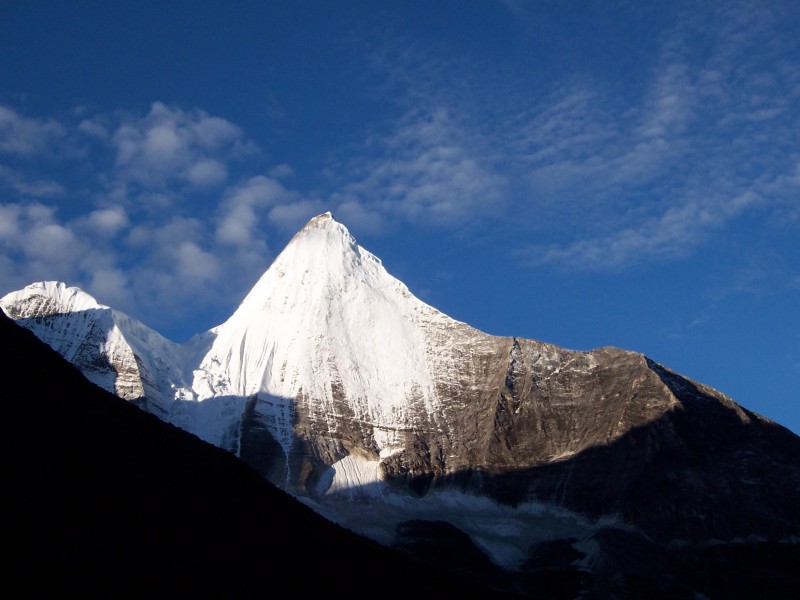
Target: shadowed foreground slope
(103, 499)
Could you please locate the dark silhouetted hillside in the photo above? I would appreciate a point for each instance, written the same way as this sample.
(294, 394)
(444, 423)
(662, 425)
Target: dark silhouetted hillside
(102, 499)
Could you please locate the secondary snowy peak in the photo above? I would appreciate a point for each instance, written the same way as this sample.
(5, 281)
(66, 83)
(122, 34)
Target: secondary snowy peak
(111, 349)
(46, 297)
(82, 324)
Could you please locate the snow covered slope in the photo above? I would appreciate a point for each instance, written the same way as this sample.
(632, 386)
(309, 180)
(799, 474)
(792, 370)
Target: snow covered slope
(112, 350)
(327, 323)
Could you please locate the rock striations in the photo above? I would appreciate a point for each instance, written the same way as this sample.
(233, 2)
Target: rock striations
(334, 382)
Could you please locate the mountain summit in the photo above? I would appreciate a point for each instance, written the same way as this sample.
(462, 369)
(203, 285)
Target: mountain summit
(328, 336)
(334, 382)
(325, 315)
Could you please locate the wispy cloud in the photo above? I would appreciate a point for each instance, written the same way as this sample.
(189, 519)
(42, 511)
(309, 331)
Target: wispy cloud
(169, 145)
(33, 233)
(708, 143)
(604, 180)
(26, 136)
(244, 207)
(428, 169)
(291, 216)
(30, 188)
(176, 264)
(104, 222)
(132, 235)
(676, 232)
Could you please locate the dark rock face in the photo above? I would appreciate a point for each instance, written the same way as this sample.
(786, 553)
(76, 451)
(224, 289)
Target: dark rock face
(703, 494)
(515, 404)
(603, 433)
(257, 447)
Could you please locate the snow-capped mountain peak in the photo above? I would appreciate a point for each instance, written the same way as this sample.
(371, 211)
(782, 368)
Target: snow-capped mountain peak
(114, 351)
(45, 296)
(326, 322)
(321, 255)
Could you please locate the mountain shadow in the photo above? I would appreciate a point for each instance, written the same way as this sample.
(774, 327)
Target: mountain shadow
(104, 500)
(701, 471)
(703, 500)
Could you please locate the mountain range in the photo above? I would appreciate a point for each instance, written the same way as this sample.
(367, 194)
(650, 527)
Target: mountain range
(101, 499)
(491, 459)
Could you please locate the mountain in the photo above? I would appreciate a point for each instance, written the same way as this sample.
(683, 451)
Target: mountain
(335, 383)
(112, 350)
(101, 499)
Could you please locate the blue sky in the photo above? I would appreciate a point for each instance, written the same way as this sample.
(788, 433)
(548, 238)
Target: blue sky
(581, 173)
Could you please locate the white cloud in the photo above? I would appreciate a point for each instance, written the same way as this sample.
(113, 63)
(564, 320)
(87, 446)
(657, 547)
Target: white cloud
(106, 221)
(51, 242)
(94, 129)
(36, 188)
(282, 171)
(428, 170)
(23, 136)
(110, 286)
(161, 268)
(171, 146)
(237, 226)
(137, 239)
(213, 133)
(9, 223)
(161, 145)
(206, 173)
(41, 247)
(294, 215)
(176, 266)
(244, 208)
(360, 218)
(194, 264)
(165, 233)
